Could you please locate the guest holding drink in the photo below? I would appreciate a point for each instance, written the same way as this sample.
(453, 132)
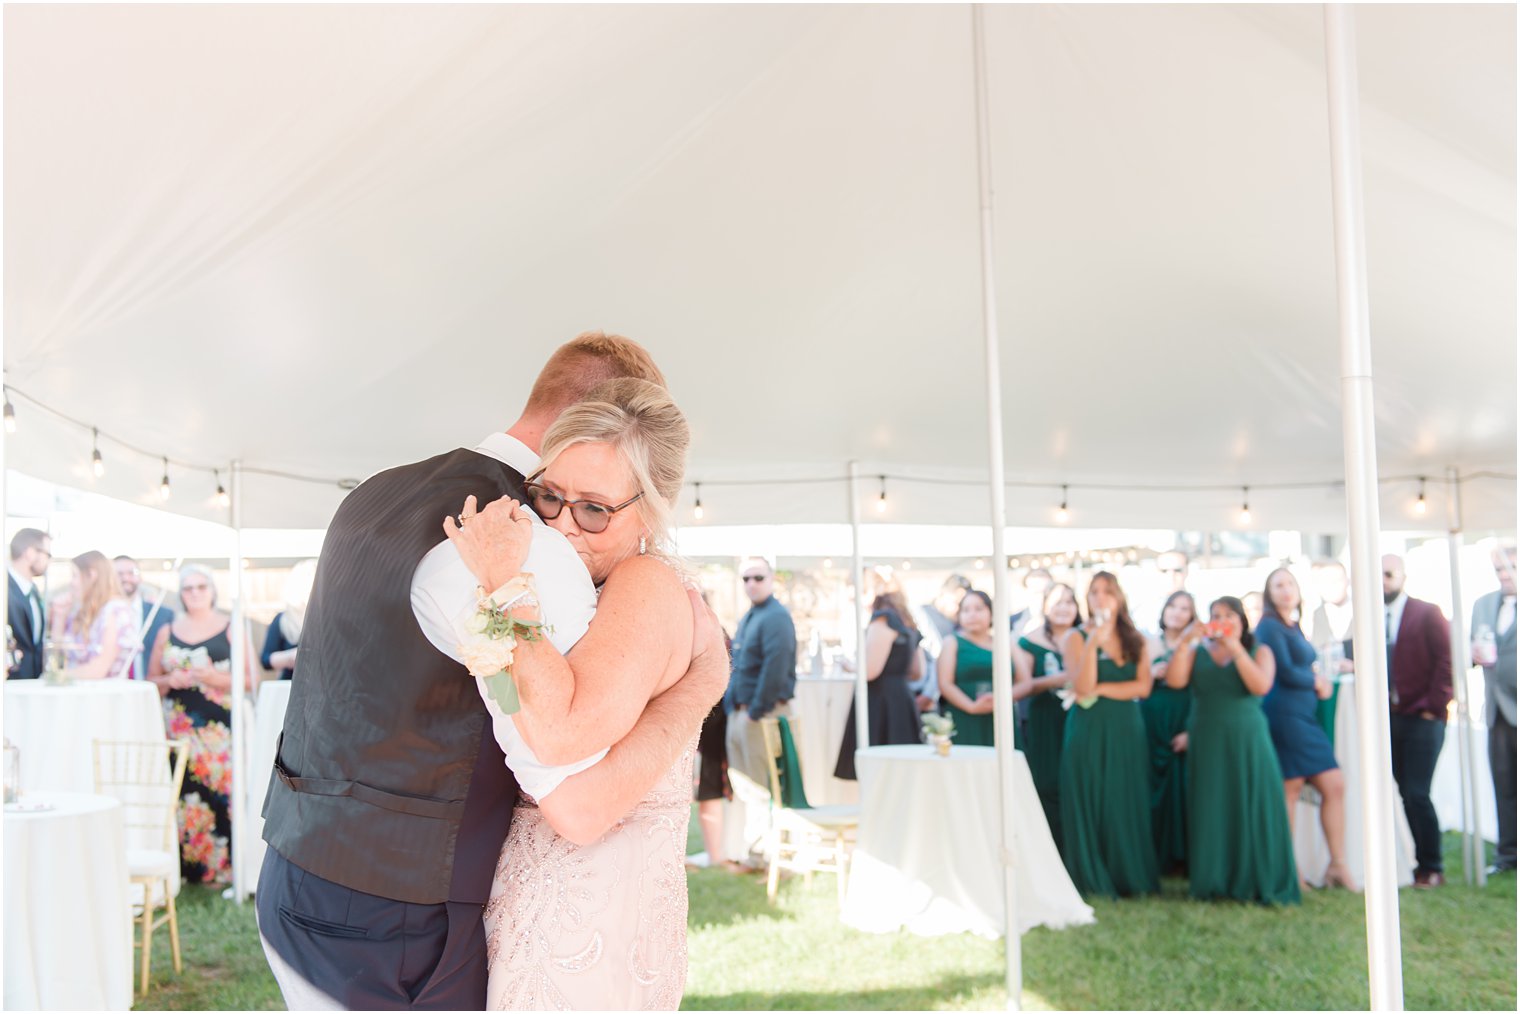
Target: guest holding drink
(1303, 749)
(892, 659)
(1166, 713)
(1239, 843)
(1105, 766)
(965, 673)
(192, 667)
(96, 628)
(1040, 675)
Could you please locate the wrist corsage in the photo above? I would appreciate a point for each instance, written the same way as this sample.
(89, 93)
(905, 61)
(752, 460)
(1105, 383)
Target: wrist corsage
(492, 633)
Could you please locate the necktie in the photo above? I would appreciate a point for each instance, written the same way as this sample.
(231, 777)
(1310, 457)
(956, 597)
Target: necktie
(35, 601)
(1393, 689)
(1506, 615)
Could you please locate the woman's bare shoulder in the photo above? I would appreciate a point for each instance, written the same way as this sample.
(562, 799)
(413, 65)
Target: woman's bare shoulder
(646, 575)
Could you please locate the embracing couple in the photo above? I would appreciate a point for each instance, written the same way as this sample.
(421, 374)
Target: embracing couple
(429, 849)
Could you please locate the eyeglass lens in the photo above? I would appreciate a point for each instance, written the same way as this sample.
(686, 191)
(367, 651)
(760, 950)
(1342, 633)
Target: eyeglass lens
(548, 504)
(757, 578)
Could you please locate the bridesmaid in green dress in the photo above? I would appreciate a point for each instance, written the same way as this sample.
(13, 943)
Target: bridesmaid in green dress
(1105, 765)
(1239, 845)
(965, 672)
(1166, 714)
(1039, 673)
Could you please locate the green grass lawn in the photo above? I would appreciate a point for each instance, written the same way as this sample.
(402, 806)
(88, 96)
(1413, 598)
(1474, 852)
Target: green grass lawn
(1161, 953)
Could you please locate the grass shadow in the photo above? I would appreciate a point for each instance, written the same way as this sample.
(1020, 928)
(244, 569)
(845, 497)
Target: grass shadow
(719, 898)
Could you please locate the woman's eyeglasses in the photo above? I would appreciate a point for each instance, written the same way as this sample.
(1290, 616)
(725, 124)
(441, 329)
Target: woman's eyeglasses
(591, 516)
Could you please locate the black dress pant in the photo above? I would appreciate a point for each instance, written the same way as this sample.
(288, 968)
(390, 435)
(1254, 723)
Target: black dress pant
(1416, 744)
(1501, 763)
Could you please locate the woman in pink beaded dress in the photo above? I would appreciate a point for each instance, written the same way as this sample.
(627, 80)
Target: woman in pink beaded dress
(588, 909)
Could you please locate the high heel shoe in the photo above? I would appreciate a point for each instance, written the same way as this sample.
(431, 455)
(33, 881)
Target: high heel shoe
(1336, 876)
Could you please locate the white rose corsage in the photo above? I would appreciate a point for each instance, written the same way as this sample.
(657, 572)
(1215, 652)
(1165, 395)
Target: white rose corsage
(491, 636)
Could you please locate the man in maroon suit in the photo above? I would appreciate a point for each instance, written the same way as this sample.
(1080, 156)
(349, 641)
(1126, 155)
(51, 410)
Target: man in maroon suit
(1419, 689)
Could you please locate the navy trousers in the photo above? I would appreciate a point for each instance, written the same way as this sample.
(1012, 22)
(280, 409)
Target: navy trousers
(368, 953)
(1416, 743)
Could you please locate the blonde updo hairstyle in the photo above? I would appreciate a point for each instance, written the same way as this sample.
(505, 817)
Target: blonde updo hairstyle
(642, 423)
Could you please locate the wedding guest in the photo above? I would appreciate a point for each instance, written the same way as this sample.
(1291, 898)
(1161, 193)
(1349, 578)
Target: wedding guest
(764, 676)
(712, 788)
(965, 672)
(1166, 713)
(1419, 680)
(31, 552)
(1105, 769)
(98, 631)
(1040, 678)
(284, 634)
(1303, 749)
(1252, 602)
(1329, 630)
(1239, 842)
(938, 623)
(150, 615)
(1493, 625)
(892, 659)
(192, 667)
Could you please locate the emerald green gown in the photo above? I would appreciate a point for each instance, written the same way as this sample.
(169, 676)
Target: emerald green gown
(1239, 845)
(973, 674)
(1044, 734)
(1166, 714)
(1106, 794)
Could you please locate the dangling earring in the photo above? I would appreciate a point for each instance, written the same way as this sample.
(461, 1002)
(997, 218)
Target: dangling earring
(643, 546)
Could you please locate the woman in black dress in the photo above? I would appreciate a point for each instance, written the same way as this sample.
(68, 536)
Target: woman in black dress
(892, 660)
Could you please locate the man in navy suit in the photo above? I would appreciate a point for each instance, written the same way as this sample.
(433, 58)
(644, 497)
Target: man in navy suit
(31, 552)
(130, 575)
(1419, 690)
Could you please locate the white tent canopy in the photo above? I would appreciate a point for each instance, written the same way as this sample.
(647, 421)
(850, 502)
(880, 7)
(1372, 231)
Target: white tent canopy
(323, 240)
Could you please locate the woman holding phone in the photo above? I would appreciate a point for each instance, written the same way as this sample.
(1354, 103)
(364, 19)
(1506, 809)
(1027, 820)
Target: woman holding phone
(1239, 845)
(1105, 766)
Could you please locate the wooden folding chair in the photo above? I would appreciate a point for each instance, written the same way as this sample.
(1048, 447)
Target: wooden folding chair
(804, 839)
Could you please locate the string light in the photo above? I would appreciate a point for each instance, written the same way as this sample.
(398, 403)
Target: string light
(97, 463)
(10, 414)
(697, 511)
(980, 563)
(1013, 563)
(222, 499)
(1419, 502)
(1063, 515)
(828, 563)
(907, 565)
(163, 487)
(881, 501)
(1245, 505)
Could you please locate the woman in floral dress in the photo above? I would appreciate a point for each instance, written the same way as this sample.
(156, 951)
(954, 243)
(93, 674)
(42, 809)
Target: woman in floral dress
(191, 666)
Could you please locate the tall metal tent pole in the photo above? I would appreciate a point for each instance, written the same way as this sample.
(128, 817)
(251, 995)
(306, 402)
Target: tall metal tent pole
(1384, 974)
(1002, 668)
(862, 719)
(240, 648)
(1474, 871)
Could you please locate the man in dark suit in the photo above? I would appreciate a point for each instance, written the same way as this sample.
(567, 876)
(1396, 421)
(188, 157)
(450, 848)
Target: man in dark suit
(1419, 690)
(151, 614)
(1493, 625)
(31, 552)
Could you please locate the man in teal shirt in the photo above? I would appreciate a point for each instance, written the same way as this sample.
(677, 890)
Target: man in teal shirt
(764, 672)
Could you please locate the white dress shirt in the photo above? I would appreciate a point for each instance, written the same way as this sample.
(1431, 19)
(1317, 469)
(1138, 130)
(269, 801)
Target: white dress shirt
(1394, 611)
(443, 598)
(1506, 615)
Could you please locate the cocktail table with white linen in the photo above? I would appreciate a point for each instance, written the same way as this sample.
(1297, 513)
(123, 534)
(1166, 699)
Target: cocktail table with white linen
(926, 858)
(55, 727)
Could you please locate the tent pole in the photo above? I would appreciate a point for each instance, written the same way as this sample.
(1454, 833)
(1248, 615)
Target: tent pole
(862, 718)
(1359, 435)
(1002, 667)
(1475, 871)
(239, 801)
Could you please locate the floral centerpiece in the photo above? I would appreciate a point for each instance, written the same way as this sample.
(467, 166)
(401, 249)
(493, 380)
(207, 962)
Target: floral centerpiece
(937, 730)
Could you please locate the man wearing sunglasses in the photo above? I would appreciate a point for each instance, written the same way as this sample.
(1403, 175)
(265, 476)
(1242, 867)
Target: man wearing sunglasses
(391, 799)
(764, 672)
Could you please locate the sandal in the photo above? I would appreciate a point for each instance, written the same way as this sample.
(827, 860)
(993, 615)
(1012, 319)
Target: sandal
(1336, 876)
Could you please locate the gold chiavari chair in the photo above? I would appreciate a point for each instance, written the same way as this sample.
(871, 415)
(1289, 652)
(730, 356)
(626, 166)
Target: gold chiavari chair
(146, 778)
(803, 839)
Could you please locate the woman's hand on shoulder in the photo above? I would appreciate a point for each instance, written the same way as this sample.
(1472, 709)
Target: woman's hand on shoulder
(493, 542)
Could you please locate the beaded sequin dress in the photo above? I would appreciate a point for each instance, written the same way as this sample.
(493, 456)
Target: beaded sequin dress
(599, 926)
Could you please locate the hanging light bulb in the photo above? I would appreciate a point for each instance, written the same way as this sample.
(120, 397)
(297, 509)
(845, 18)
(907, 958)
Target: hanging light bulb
(697, 511)
(980, 563)
(222, 499)
(881, 501)
(1013, 563)
(97, 464)
(1063, 515)
(828, 563)
(1245, 505)
(907, 565)
(163, 487)
(10, 414)
(1419, 502)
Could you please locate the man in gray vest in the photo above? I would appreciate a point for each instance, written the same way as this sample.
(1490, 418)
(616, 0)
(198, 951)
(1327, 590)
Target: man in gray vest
(1493, 626)
(390, 798)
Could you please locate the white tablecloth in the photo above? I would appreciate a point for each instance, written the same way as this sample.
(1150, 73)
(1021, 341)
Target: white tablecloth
(927, 855)
(269, 719)
(68, 922)
(822, 705)
(55, 727)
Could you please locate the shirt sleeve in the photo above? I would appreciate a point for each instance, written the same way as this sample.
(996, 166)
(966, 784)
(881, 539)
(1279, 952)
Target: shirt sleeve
(1275, 636)
(778, 651)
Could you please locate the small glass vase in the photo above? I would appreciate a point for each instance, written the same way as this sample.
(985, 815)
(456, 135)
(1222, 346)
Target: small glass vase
(941, 745)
